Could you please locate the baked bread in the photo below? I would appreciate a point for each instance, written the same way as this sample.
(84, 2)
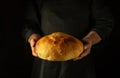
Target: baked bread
(58, 46)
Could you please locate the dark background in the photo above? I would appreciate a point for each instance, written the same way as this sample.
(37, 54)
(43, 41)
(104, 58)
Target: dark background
(16, 62)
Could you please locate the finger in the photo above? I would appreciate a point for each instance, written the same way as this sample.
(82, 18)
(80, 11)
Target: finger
(33, 51)
(34, 54)
(85, 53)
(85, 47)
(32, 44)
(80, 57)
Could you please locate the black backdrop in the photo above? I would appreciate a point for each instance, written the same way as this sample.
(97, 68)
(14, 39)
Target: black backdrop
(16, 62)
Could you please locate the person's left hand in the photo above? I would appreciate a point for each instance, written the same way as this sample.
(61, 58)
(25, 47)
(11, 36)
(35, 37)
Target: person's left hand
(88, 41)
(87, 48)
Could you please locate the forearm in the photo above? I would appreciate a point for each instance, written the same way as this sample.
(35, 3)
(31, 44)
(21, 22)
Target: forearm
(103, 19)
(31, 23)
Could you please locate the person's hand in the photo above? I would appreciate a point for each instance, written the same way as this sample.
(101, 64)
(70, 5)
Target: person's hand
(87, 48)
(32, 40)
(88, 41)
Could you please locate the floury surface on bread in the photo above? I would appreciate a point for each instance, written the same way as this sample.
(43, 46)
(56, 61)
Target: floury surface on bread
(58, 46)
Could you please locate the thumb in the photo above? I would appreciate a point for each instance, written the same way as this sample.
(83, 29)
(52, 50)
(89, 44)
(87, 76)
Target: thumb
(85, 47)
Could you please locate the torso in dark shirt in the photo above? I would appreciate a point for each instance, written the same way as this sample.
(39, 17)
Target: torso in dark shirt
(70, 16)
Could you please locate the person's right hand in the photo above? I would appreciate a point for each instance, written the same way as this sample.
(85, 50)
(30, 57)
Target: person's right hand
(32, 40)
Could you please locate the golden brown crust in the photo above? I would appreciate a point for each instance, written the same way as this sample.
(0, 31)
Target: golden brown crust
(58, 46)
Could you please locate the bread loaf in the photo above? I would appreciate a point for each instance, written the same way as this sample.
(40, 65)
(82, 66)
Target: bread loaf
(58, 46)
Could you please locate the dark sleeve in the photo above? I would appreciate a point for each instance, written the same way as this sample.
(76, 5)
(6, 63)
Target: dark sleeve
(103, 18)
(31, 19)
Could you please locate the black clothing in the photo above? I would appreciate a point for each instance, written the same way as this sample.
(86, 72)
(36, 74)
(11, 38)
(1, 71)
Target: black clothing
(75, 17)
(83, 68)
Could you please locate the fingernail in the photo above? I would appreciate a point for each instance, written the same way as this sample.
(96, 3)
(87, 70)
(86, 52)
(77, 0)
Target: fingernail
(85, 47)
